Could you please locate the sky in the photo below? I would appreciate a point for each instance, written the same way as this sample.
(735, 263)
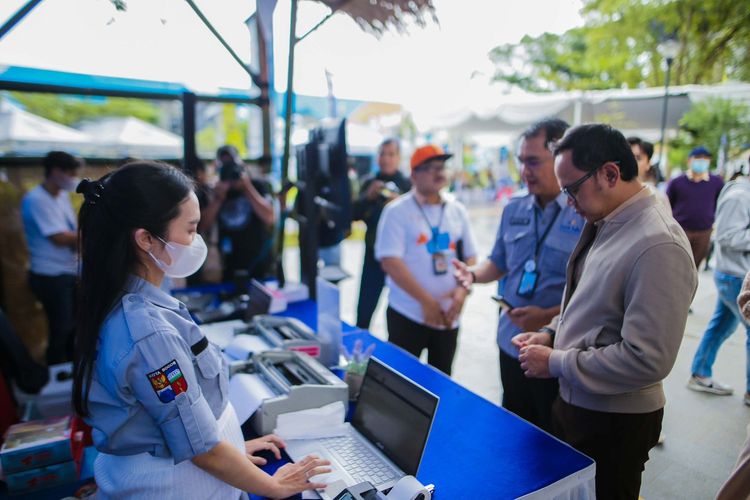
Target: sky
(439, 67)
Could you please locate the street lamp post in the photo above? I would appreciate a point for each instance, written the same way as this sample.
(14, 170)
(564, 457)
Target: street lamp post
(668, 49)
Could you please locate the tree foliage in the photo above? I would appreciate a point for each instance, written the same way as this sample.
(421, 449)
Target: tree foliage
(618, 46)
(706, 123)
(70, 110)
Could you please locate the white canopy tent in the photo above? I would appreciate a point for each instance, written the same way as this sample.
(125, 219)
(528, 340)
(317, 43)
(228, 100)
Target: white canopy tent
(634, 111)
(23, 133)
(117, 137)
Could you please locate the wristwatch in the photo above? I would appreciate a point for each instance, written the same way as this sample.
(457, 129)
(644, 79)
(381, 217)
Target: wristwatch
(546, 329)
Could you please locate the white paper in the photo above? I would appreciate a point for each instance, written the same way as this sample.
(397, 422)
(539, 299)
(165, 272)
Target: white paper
(243, 345)
(247, 392)
(326, 421)
(222, 332)
(408, 488)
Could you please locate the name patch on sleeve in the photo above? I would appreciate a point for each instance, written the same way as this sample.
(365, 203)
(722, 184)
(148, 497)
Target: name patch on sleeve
(168, 381)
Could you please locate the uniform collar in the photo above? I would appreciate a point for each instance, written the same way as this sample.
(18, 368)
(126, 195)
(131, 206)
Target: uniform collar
(149, 292)
(561, 200)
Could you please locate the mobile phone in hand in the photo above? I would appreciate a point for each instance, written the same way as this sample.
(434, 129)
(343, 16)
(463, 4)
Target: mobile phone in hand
(504, 304)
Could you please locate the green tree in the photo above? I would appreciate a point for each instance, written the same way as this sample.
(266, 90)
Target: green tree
(617, 46)
(70, 110)
(706, 123)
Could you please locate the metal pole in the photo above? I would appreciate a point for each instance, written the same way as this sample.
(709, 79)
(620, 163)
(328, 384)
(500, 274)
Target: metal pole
(662, 156)
(289, 93)
(254, 77)
(17, 17)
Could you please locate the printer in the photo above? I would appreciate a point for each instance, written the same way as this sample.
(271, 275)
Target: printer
(293, 381)
(239, 339)
(289, 334)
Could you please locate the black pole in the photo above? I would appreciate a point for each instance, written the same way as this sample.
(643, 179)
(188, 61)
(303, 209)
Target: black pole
(17, 17)
(189, 153)
(662, 157)
(289, 93)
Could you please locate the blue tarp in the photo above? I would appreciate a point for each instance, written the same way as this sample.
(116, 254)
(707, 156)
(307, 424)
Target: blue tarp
(24, 78)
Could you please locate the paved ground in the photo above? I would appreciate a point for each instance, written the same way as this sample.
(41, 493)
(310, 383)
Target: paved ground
(704, 433)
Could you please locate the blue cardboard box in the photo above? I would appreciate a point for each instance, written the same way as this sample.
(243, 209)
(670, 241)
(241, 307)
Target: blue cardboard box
(35, 444)
(42, 477)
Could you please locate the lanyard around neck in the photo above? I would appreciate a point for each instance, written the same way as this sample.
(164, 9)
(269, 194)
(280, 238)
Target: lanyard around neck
(429, 224)
(540, 241)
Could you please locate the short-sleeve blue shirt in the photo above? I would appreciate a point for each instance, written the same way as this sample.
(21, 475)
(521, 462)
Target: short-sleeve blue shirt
(158, 385)
(522, 225)
(43, 216)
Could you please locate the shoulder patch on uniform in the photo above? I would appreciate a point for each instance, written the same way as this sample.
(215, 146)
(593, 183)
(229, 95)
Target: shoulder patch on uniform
(168, 381)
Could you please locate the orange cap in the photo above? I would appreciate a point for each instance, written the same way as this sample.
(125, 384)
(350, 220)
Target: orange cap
(427, 153)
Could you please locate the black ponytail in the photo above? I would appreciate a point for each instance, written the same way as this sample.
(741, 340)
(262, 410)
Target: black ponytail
(137, 195)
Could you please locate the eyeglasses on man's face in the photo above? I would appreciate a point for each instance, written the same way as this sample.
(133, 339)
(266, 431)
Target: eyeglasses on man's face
(571, 190)
(432, 168)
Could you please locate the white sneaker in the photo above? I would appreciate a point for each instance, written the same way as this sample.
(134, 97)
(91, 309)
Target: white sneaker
(707, 384)
(662, 438)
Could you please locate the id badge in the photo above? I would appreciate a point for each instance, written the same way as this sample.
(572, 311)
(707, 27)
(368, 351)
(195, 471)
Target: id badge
(439, 264)
(528, 283)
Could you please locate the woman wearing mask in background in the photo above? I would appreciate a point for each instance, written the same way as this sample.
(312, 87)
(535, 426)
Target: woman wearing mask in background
(150, 384)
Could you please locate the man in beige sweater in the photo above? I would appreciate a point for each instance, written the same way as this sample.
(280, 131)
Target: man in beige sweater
(630, 281)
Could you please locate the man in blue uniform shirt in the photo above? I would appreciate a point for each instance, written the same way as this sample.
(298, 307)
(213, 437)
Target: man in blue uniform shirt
(537, 233)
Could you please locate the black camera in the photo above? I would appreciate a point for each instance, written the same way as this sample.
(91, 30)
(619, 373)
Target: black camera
(230, 171)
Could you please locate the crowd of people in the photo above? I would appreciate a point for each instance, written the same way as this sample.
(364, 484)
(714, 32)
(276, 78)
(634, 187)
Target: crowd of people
(580, 356)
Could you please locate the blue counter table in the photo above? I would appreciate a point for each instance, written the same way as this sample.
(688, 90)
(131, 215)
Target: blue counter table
(477, 449)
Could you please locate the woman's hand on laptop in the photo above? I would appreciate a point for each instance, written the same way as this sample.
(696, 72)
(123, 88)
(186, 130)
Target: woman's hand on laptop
(294, 478)
(271, 443)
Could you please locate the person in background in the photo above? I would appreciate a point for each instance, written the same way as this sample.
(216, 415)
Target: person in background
(419, 235)
(738, 483)
(647, 174)
(243, 207)
(51, 234)
(203, 192)
(152, 387)
(377, 191)
(537, 233)
(630, 281)
(693, 199)
(732, 245)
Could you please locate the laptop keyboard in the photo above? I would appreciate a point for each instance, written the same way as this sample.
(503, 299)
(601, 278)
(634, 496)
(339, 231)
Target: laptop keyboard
(359, 461)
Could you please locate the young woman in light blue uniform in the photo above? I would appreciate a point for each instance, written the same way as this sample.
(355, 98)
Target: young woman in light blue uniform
(149, 383)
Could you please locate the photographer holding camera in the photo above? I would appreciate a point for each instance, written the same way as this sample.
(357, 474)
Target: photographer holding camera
(375, 192)
(243, 207)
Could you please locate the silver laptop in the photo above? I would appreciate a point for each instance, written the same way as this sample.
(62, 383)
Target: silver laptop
(386, 437)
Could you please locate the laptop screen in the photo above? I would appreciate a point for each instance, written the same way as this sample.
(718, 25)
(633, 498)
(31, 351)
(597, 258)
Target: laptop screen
(395, 414)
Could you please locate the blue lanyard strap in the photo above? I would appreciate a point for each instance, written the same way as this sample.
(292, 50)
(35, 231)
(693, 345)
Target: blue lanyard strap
(540, 241)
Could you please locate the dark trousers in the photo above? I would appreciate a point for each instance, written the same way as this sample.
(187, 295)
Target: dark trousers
(413, 337)
(700, 241)
(57, 295)
(370, 287)
(529, 398)
(618, 442)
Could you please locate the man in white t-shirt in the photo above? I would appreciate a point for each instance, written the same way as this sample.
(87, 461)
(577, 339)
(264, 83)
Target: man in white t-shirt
(418, 236)
(51, 235)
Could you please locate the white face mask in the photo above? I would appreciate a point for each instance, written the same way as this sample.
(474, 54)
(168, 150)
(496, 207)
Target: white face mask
(186, 259)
